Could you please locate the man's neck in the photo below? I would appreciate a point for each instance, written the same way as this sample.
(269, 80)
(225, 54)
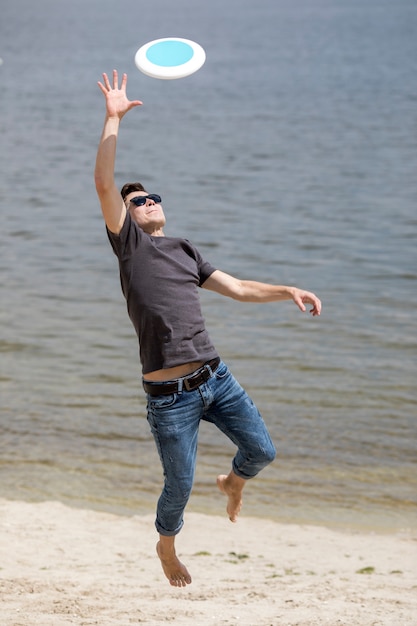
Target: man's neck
(157, 233)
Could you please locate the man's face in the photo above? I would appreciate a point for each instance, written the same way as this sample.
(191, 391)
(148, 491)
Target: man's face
(148, 216)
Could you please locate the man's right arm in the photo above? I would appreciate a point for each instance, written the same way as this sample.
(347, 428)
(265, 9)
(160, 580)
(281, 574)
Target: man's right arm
(112, 205)
(117, 104)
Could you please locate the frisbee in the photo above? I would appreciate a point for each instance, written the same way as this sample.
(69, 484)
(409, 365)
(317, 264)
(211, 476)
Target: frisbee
(170, 58)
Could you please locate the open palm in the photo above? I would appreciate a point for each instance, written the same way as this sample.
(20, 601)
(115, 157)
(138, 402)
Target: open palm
(117, 102)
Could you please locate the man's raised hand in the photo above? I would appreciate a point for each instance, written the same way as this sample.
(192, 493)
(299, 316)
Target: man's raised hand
(117, 102)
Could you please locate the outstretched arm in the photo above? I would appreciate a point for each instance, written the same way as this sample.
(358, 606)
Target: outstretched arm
(252, 291)
(117, 105)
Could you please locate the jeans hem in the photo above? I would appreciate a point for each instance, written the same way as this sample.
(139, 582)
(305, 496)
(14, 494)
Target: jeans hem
(167, 533)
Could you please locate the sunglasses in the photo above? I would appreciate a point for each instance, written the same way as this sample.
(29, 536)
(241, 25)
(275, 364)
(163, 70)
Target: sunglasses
(141, 200)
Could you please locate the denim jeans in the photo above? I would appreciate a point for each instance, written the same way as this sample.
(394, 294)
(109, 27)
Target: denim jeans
(174, 420)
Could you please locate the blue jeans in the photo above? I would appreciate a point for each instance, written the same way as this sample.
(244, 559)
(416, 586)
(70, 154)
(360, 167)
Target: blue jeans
(174, 420)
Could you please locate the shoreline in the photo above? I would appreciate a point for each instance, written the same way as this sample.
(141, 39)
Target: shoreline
(63, 565)
(382, 521)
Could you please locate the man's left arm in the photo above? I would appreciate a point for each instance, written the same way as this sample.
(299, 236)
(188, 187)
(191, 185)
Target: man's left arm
(253, 291)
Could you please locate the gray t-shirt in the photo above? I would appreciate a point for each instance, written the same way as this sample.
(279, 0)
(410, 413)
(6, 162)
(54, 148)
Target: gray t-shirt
(159, 278)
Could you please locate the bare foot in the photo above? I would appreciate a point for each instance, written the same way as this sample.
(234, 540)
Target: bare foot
(174, 570)
(232, 486)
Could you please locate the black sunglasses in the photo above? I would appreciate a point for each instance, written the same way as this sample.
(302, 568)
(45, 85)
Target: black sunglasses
(141, 200)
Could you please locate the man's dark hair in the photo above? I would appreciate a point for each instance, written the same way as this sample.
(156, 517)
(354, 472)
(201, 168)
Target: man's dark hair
(129, 187)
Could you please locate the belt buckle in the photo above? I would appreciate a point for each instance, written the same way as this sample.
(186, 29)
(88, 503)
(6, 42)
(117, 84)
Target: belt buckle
(193, 382)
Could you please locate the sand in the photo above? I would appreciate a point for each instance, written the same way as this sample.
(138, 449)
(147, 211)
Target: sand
(61, 566)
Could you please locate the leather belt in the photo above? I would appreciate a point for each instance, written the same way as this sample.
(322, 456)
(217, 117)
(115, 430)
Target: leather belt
(189, 383)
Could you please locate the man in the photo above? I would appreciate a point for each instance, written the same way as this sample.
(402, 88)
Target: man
(183, 376)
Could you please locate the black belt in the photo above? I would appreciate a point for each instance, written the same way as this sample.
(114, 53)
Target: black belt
(188, 383)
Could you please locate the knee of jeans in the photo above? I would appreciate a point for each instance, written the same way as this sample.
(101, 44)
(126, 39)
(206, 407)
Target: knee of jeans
(180, 491)
(269, 454)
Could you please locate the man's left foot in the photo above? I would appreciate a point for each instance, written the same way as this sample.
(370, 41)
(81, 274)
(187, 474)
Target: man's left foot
(232, 486)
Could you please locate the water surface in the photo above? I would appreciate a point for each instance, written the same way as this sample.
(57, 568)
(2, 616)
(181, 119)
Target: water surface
(290, 157)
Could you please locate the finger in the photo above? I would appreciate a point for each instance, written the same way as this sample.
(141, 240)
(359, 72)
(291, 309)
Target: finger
(115, 79)
(316, 310)
(300, 304)
(106, 81)
(317, 307)
(102, 87)
(124, 82)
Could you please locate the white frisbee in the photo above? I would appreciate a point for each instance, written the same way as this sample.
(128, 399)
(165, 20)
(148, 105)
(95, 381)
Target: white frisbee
(169, 58)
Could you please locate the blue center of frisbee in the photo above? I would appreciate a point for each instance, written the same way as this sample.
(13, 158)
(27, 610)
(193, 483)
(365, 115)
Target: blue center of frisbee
(169, 53)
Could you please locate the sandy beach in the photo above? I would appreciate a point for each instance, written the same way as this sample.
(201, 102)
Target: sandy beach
(71, 566)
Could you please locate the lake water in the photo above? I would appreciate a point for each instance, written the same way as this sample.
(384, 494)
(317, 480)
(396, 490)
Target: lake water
(290, 157)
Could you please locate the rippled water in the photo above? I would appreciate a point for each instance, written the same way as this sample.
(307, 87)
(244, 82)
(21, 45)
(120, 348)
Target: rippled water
(290, 157)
